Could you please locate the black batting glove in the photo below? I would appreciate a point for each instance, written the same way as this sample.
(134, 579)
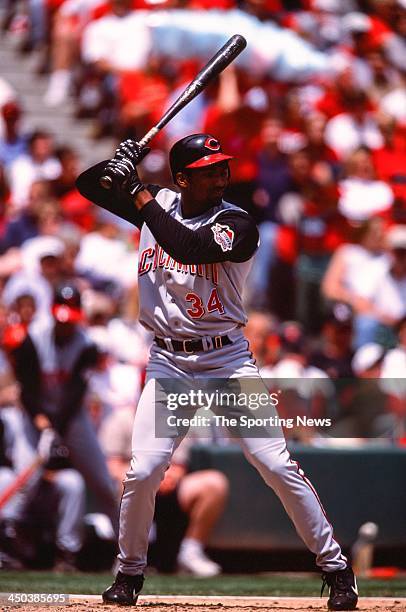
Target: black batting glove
(120, 169)
(134, 184)
(123, 166)
(125, 174)
(131, 150)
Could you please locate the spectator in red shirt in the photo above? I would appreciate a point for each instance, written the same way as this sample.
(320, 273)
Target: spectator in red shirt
(74, 207)
(314, 227)
(316, 147)
(337, 93)
(143, 97)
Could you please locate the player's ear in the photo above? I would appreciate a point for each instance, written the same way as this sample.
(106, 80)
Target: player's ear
(182, 179)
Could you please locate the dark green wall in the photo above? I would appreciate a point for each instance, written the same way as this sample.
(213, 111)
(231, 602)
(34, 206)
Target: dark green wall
(355, 486)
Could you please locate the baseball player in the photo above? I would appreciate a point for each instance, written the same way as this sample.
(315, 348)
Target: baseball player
(194, 256)
(51, 365)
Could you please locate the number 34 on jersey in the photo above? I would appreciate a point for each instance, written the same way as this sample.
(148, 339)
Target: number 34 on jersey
(198, 309)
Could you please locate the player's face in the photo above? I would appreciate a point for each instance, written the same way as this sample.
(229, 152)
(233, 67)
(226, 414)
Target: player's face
(205, 186)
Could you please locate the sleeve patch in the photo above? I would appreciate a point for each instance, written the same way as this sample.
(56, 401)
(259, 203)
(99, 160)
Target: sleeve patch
(223, 236)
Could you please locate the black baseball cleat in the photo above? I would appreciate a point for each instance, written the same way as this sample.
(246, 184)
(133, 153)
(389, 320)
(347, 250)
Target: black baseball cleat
(124, 590)
(342, 589)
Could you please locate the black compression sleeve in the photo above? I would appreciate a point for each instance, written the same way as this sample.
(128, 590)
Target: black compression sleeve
(114, 200)
(233, 236)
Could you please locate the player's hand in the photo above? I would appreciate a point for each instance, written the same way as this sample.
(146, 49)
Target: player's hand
(120, 170)
(125, 175)
(41, 422)
(131, 151)
(131, 154)
(123, 167)
(134, 184)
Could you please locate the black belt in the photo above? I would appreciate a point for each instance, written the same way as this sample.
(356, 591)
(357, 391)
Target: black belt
(191, 346)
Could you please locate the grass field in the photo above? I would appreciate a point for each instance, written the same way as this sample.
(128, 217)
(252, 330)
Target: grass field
(256, 585)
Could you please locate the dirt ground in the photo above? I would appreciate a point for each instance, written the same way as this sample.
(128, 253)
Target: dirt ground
(215, 604)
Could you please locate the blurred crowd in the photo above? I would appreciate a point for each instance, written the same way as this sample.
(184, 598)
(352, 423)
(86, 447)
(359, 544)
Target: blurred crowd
(320, 163)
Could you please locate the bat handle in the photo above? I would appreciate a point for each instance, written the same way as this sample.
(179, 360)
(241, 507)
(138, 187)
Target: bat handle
(149, 135)
(106, 181)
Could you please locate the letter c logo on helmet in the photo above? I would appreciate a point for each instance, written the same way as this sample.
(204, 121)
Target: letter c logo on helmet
(212, 144)
(195, 151)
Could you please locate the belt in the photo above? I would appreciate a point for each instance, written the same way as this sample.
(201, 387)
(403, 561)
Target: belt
(191, 346)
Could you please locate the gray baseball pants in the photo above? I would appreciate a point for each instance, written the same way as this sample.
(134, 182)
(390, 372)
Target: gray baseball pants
(151, 456)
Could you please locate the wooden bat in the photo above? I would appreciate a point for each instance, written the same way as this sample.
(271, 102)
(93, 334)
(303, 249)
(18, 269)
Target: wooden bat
(24, 477)
(21, 480)
(214, 66)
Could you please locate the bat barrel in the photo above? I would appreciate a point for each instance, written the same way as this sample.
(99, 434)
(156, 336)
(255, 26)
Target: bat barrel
(224, 56)
(214, 66)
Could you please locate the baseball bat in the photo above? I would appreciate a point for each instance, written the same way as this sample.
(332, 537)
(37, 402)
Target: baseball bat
(21, 480)
(214, 66)
(24, 477)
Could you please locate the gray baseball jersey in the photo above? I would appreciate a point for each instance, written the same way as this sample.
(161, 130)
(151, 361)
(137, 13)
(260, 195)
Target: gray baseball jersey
(190, 300)
(190, 281)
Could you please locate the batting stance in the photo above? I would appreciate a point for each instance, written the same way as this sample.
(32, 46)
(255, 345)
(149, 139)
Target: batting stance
(194, 256)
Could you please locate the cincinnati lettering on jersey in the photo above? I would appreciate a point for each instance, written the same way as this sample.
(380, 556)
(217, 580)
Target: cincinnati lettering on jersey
(151, 259)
